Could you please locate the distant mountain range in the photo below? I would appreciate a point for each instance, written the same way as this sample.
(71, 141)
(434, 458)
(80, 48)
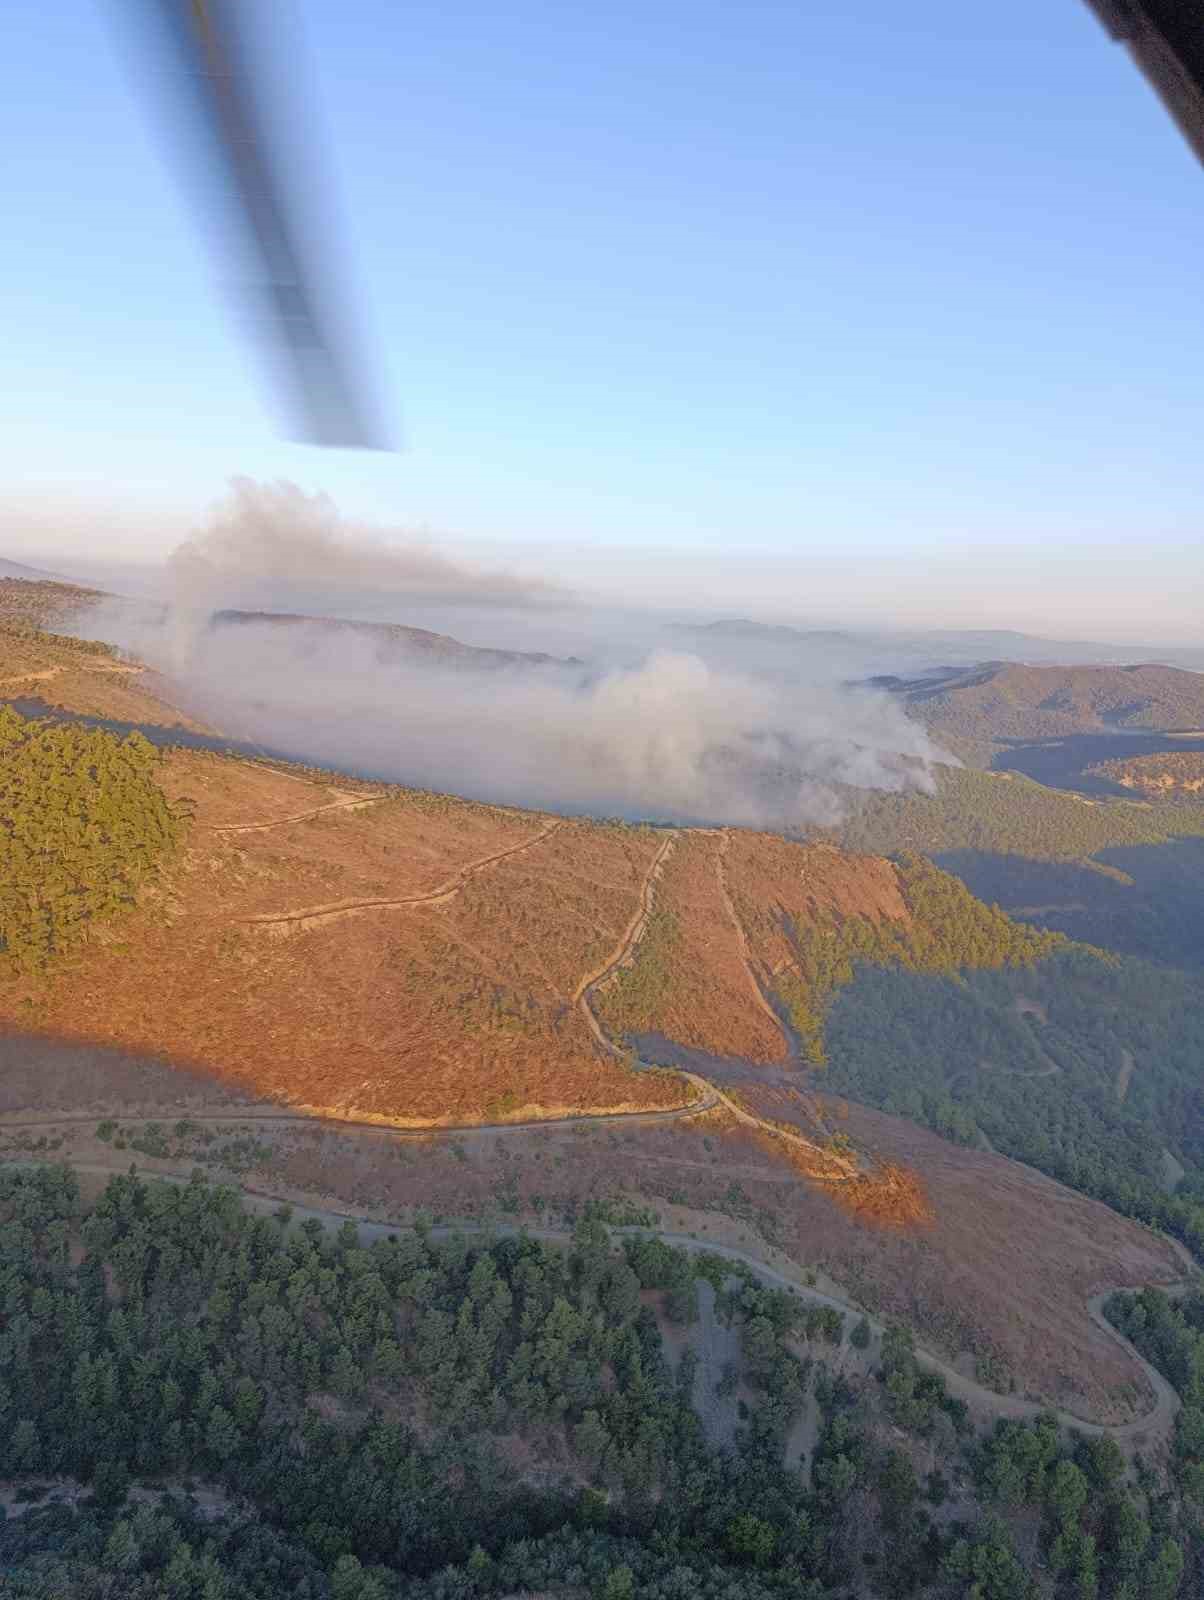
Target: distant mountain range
(393, 641)
(947, 648)
(17, 569)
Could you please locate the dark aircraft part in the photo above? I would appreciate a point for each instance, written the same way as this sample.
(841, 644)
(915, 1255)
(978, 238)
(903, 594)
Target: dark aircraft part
(1166, 39)
(215, 86)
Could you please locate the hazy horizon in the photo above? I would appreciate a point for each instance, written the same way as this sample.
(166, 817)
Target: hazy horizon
(569, 581)
(827, 318)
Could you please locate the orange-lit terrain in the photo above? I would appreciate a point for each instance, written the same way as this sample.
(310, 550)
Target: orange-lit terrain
(323, 950)
(367, 952)
(1170, 774)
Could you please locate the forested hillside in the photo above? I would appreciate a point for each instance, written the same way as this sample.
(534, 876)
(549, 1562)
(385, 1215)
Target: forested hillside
(82, 824)
(1008, 814)
(1084, 1066)
(1122, 874)
(1170, 1333)
(1012, 700)
(947, 931)
(425, 1420)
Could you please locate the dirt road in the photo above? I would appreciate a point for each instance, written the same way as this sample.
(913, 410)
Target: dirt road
(625, 949)
(44, 674)
(256, 1117)
(319, 915)
(345, 802)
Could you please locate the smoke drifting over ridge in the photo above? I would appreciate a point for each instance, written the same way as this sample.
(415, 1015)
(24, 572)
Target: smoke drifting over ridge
(656, 733)
(267, 542)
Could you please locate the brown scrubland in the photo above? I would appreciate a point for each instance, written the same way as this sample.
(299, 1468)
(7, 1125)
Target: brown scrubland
(354, 961)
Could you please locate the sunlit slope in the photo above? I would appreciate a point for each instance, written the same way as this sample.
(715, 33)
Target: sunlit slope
(789, 924)
(1007, 814)
(1171, 774)
(1013, 700)
(82, 676)
(366, 952)
(382, 953)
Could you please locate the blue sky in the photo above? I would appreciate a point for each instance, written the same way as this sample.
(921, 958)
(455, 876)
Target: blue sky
(908, 297)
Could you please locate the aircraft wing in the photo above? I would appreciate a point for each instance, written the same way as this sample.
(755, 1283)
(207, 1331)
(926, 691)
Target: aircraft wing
(1166, 39)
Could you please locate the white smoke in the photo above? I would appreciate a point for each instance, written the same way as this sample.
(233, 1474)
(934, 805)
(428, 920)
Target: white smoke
(668, 738)
(657, 733)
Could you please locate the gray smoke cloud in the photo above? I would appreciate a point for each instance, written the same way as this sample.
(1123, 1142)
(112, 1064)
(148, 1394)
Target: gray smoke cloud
(667, 738)
(271, 544)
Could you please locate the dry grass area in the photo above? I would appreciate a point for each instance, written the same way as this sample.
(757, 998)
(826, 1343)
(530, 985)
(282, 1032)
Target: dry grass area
(775, 884)
(116, 694)
(374, 952)
(54, 670)
(1002, 1266)
(40, 603)
(450, 1009)
(689, 980)
(221, 793)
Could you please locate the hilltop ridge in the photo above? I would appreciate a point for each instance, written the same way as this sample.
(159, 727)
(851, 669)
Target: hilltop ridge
(999, 701)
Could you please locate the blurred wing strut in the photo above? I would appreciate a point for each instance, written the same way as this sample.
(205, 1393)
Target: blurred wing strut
(212, 72)
(1166, 39)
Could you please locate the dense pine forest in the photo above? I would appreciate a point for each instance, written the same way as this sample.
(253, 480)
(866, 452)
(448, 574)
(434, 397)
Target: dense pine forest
(1170, 1334)
(1084, 1065)
(1009, 814)
(435, 1419)
(82, 825)
(1127, 875)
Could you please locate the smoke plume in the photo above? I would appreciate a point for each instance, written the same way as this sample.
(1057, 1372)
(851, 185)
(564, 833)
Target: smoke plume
(271, 544)
(639, 730)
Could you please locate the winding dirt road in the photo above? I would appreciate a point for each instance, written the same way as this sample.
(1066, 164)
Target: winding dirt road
(256, 1117)
(624, 950)
(345, 802)
(44, 674)
(31, 677)
(317, 916)
(709, 1094)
